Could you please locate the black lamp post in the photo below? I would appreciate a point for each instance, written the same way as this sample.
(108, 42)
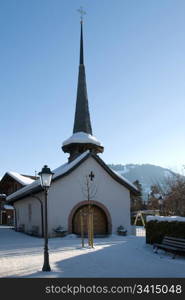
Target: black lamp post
(45, 180)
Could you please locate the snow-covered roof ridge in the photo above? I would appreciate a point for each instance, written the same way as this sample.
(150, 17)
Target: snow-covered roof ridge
(82, 137)
(57, 172)
(67, 166)
(24, 190)
(165, 218)
(20, 178)
(65, 169)
(126, 180)
(8, 207)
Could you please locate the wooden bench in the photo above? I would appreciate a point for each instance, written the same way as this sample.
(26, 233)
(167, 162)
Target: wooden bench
(171, 244)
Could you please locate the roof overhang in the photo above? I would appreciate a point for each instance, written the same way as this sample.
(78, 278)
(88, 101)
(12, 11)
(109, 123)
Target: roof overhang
(68, 168)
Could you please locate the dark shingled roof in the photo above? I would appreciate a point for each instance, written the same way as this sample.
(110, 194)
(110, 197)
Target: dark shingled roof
(82, 120)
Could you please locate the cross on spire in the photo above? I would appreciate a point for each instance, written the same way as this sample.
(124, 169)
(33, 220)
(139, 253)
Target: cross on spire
(82, 13)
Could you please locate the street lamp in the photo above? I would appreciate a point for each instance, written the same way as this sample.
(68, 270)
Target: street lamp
(45, 180)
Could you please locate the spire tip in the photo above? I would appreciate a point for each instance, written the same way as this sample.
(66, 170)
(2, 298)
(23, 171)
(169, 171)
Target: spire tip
(82, 13)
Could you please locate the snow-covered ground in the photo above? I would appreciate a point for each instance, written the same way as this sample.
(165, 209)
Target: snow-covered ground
(114, 256)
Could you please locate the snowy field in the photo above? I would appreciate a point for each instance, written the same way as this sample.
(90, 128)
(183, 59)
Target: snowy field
(114, 256)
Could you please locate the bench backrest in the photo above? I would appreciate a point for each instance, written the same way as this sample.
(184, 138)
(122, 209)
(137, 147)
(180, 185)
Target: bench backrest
(174, 242)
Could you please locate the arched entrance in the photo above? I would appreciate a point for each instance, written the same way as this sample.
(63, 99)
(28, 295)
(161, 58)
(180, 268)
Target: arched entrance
(101, 218)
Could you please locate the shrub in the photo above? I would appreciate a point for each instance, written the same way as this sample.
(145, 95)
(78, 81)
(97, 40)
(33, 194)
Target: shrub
(156, 230)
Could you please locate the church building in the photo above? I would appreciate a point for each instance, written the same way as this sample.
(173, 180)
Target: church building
(84, 179)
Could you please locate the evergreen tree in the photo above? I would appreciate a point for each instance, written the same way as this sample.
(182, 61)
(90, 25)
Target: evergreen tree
(137, 201)
(155, 198)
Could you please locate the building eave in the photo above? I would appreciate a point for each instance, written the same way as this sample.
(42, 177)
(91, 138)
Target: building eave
(120, 180)
(38, 188)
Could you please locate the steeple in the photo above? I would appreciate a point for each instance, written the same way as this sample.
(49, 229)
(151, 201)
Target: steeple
(82, 138)
(81, 45)
(82, 120)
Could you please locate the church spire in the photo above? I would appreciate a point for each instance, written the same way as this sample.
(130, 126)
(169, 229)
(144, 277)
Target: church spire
(82, 138)
(81, 45)
(82, 122)
(82, 13)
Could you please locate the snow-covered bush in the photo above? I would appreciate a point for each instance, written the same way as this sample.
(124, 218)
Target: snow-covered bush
(121, 230)
(158, 226)
(60, 231)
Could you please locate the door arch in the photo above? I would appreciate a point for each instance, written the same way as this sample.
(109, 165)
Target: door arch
(101, 218)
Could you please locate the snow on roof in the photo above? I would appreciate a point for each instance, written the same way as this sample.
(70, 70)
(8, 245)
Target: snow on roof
(67, 166)
(20, 178)
(57, 172)
(10, 207)
(165, 219)
(127, 181)
(3, 195)
(81, 137)
(25, 189)
(157, 196)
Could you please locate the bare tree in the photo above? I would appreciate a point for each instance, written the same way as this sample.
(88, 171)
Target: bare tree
(174, 201)
(137, 201)
(89, 189)
(155, 198)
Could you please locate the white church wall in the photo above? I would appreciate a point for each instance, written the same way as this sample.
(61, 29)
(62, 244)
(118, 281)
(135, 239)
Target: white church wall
(28, 213)
(66, 192)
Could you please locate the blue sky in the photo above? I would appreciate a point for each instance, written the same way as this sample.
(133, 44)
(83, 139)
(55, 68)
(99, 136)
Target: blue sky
(135, 68)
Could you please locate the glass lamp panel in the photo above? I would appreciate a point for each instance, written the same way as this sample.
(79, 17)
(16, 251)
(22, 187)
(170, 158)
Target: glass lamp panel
(46, 179)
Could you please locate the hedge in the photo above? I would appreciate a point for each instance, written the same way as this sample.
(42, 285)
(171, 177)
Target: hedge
(155, 230)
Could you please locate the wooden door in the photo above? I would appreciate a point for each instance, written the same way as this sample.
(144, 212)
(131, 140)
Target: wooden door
(4, 218)
(99, 220)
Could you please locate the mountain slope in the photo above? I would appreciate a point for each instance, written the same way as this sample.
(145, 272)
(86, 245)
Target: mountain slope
(147, 174)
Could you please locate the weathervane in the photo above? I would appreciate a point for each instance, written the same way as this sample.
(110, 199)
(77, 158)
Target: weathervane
(82, 13)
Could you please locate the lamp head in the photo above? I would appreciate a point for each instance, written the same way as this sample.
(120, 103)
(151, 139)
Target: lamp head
(45, 177)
